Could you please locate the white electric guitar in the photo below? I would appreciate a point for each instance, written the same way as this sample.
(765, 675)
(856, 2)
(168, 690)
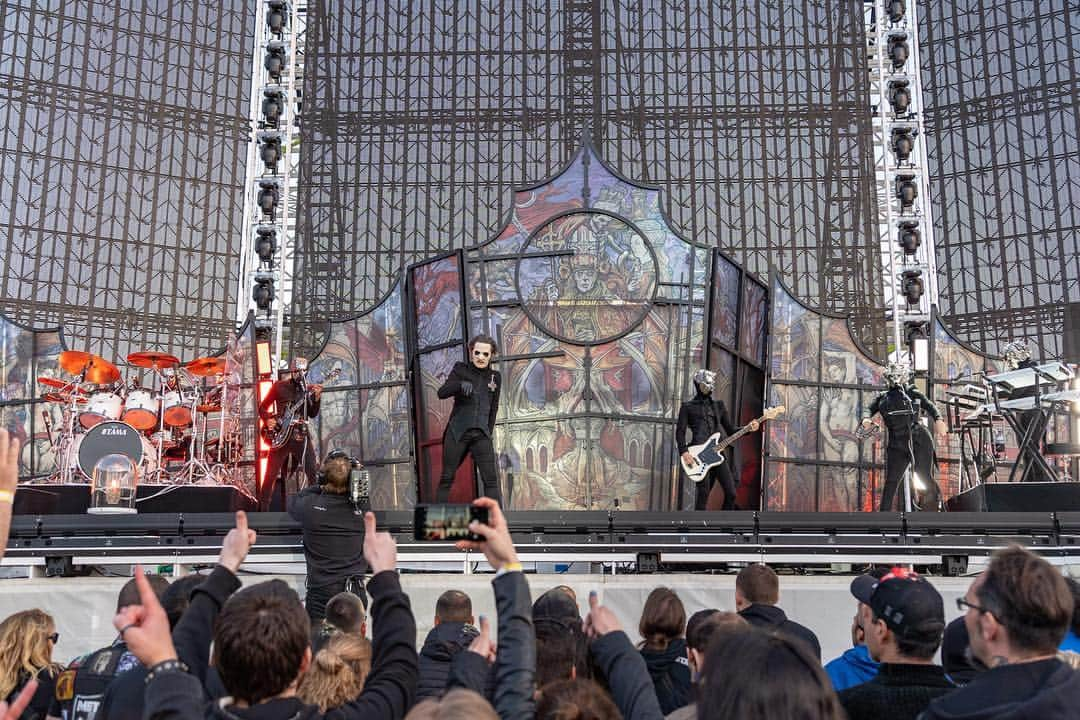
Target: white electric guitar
(710, 453)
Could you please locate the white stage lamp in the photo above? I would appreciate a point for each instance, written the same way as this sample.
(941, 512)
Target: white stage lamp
(113, 487)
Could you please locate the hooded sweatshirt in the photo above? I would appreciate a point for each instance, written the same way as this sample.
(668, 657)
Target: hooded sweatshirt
(772, 619)
(1040, 690)
(670, 673)
(444, 641)
(852, 668)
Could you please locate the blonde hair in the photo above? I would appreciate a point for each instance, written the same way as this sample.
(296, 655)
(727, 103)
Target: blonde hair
(338, 672)
(458, 704)
(25, 648)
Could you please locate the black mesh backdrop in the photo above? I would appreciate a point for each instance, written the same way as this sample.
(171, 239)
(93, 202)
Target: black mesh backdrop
(1003, 124)
(420, 116)
(122, 162)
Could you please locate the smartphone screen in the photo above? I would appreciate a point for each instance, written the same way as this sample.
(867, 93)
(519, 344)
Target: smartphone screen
(446, 523)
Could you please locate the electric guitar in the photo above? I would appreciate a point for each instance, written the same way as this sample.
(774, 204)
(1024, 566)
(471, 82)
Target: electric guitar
(276, 437)
(710, 453)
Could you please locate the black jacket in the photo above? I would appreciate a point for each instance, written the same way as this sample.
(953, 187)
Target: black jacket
(284, 393)
(388, 691)
(333, 535)
(897, 692)
(670, 673)
(515, 656)
(479, 409)
(443, 642)
(43, 696)
(900, 411)
(627, 677)
(703, 416)
(1042, 690)
(772, 619)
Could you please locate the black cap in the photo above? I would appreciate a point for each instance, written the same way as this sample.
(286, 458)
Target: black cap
(909, 605)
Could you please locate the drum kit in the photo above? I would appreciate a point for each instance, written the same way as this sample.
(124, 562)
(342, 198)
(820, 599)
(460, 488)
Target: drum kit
(162, 428)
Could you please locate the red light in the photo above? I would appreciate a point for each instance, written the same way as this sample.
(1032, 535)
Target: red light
(264, 447)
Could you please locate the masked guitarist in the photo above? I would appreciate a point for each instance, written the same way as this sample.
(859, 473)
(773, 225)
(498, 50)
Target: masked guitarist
(298, 450)
(704, 415)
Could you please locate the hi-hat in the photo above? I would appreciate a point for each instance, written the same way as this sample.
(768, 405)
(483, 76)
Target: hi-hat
(99, 371)
(150, 359)
(206, 366)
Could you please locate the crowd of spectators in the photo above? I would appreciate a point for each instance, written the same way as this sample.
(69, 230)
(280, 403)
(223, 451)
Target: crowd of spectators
(205, 647)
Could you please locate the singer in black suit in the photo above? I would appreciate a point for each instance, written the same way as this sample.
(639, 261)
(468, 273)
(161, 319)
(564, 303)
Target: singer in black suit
(475, 387)
(909, 440)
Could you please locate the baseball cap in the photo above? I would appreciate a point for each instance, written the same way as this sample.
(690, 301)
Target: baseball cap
(557, 604)
(909, 605)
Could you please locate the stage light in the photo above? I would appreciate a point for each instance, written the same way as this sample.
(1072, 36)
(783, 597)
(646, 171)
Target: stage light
(265, 245)
(269, 197)
(917, 482)
(273, 106)
(896, 10)
(918, 341)
(274, 62)
(909, 237)
(899, 51)
(911, 286)
(900, 96)
(270, 152)
(906, 191)
(263, 293)
(903, 142)
(277, 16)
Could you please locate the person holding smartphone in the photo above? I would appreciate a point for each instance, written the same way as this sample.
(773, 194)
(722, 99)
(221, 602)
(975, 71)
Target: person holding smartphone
(475, 387)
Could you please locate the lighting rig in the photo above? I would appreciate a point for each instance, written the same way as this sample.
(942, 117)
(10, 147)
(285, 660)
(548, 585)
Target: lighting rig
(266, 275)
(905, 223)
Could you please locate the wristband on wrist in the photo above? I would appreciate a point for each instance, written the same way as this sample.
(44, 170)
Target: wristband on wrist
(7, 496)
(508, 568)
(166, 666)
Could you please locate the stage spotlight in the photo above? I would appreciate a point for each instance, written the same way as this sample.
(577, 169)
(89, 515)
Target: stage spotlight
(900, 96)
(273, 106)
(270, 152)
(263, 293)
(269, 197)
(903, 142)
(899, 51)
(896, 8)
(917, 334)
(265, 243)
(909, 237)
(277, 16)
(906, 191)
(274, 62)
(911, 286)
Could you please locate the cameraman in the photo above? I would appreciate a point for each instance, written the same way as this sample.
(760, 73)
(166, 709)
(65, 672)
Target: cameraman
(333, 536)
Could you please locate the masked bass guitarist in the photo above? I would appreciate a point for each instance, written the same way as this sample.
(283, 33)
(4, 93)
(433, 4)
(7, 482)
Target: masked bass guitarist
(285, 411)
(703, 416)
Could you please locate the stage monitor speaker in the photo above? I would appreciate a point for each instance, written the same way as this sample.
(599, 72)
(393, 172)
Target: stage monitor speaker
(1070, 341)
(1018, 497)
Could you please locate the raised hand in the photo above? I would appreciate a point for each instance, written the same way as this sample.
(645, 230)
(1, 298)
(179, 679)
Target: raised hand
(600, 621)
(497, 545)
(145, 627)
(237, 544)
(9, 461)
(482, 644)
(380, 548)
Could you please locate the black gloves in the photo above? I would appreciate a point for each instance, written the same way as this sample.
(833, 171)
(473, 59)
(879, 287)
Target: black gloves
(466, 388)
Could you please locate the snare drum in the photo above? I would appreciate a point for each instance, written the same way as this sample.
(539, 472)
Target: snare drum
(103, 405)
(177, 411)
(107, 438)
(141, 410)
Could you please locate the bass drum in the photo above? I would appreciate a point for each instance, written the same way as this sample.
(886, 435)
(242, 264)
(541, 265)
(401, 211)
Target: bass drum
(141, 410)
(105, 439)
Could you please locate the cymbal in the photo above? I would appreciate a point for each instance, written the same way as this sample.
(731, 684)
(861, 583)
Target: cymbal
(62, 398)
(151, 358)
(52, 382)
(206, 366)
(99, 371)
(208, 408)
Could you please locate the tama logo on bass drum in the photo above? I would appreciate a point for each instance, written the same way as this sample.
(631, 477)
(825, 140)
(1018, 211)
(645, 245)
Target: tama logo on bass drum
(113, 431)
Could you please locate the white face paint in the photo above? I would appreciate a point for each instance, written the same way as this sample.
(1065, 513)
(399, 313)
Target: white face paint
(481, 355)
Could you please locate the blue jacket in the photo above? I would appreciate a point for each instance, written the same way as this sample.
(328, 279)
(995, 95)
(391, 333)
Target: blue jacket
(852, 668)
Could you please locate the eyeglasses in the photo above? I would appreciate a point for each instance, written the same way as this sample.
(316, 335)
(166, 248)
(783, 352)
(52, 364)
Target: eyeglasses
(963, 605)
(55, 637)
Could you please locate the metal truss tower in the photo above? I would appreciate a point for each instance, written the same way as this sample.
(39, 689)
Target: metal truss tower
(904, 221)
(269, 235)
